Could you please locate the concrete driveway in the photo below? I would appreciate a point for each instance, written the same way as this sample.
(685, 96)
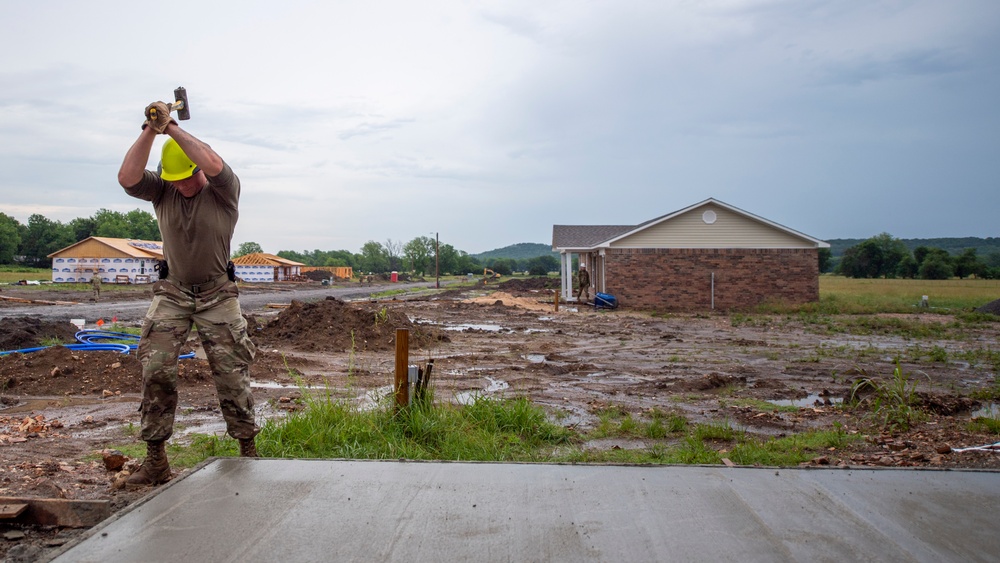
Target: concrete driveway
(332, 510)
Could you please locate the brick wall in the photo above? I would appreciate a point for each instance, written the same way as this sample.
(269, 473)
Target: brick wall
(681, 279)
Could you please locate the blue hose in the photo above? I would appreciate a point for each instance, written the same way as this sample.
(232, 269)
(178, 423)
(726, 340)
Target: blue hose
(91, 340)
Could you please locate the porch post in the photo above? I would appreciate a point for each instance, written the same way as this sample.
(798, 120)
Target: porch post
(566, 275)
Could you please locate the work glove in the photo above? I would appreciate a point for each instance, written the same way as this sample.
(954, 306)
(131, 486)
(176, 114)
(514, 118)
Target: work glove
(158, 117)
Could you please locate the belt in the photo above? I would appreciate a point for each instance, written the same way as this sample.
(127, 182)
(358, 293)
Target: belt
(200, 287)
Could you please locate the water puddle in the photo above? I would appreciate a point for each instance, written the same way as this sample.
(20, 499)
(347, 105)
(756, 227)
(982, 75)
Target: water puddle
(534, 358)
(809, 401)
(272, 385)
(990, 410)
(469, 397)
(471, 326)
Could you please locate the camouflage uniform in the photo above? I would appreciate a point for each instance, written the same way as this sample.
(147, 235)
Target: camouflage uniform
(583, 282)
(197, 232)
(222, 329)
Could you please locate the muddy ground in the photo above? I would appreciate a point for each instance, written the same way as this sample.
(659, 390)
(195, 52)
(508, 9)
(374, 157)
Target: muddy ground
(59, 408)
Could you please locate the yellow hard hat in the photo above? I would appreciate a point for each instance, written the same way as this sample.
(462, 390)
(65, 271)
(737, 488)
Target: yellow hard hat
(174, 164)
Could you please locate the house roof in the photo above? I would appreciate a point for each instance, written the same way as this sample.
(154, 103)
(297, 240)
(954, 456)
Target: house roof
(583, 237)
(134, 248)
(264, 259)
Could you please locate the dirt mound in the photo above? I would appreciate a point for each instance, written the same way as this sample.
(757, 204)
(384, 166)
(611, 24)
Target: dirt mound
(318, 275)
(29, 332)
(333, 325)
(530, 284)
(502, 298)
(60, 371)
(993, 307)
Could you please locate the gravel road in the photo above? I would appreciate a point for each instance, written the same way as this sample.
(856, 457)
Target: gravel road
(252, 301)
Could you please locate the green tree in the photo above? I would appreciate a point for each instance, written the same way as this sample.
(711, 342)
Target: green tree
(83, 227)
(907, 267)
(136, 224)
(936, 266)
(968, 264)
(919, 253)
(467, 263)
(448, 259)
(10, 238)
(993, 260)
(374, 258)
(111, 224)
(502, 266)
(247, 248)
(873, 258)
(393, 251)
(142, 225)
(825, 256)
(43, 237)
(419, 253)
(542, 265)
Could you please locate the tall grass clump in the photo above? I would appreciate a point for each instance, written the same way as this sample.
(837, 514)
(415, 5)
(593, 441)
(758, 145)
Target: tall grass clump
(485, 430)
(894, 403)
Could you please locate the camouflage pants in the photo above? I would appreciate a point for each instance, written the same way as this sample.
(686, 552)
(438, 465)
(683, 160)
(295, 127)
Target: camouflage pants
(222, 329)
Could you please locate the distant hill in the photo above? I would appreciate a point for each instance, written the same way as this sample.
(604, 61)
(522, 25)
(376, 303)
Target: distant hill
(519, 251)
(984, 246)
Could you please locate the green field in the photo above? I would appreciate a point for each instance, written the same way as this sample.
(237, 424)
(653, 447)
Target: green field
(12, 274)
(857, 296)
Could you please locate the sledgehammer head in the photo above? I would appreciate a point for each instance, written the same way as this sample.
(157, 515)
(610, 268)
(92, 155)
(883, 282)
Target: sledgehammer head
(181, 105)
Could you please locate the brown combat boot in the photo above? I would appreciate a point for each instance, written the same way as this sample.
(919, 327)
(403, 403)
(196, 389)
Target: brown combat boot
(248, 448)
(155, 469)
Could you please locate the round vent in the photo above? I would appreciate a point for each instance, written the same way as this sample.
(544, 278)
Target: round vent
(708, 217)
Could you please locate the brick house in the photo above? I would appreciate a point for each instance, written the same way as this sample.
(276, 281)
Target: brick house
(708, 256)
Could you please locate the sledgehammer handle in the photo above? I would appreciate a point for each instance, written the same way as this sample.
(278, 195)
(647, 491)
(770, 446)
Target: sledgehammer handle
(181, 105)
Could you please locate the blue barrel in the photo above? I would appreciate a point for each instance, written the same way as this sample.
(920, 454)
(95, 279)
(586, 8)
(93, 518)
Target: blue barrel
(605, 301)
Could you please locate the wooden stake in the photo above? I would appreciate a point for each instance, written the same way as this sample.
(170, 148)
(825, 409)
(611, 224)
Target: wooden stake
(557, 300)
(402, 363)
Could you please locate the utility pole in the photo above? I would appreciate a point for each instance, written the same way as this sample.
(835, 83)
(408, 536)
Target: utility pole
(437, 261)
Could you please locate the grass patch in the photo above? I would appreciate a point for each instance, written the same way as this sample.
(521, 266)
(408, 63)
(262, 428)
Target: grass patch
(854, 296)
(708, 444)
(509, 430)
(615, 422)
(486, 430)
(985, 424)
(14, 274)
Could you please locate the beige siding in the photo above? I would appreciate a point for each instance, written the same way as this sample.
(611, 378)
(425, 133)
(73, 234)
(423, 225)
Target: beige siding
(730, 230)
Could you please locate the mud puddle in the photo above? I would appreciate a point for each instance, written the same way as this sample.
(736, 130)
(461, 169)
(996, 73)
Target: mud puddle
(808, 401)
(493, 386)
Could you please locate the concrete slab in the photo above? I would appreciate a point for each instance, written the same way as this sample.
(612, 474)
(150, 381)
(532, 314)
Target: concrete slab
(328, 510)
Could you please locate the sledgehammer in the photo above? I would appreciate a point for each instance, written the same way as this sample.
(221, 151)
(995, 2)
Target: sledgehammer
(181, 105)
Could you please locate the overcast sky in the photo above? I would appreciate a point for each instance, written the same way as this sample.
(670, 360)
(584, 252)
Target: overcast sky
(489, 122)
